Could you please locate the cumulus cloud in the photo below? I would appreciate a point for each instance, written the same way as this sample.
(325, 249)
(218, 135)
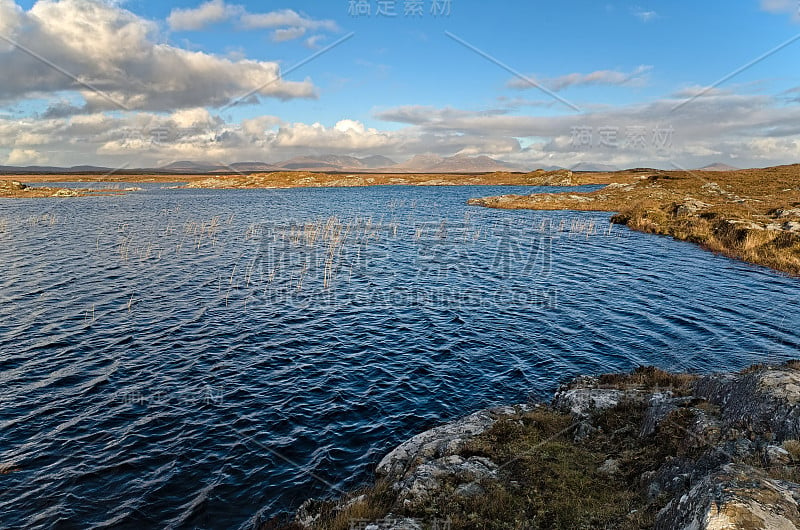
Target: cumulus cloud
(758, 130)
(637, 77)
(114, 59)
(10, 19)
(286, 24)
(345, 135)
(24, 157)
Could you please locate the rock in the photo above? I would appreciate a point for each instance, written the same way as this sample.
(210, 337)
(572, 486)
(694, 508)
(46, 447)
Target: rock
(619, 186)
(792, 212)
(390, 522)
(584, 397)
(65, 193)
(427, 480)
(776, 456)
(660, 405)
(562, 177)
(609, 467)
(791, 226)
(737, 496)
(439, 442)
(713, 437)
(12, 185)
(761, 402)
(690, 206)
(309, 512)
(750, 225)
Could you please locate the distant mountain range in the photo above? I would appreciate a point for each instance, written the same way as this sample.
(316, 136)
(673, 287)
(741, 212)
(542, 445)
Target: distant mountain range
(429, 163)
(324, 163)
(718, 167)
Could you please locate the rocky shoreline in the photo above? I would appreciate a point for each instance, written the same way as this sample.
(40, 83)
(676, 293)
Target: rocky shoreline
(647, 449)
(751, 215)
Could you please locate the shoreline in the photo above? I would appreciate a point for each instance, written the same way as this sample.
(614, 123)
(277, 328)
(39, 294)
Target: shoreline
(10, 184)
(646, 449)
(749, 215)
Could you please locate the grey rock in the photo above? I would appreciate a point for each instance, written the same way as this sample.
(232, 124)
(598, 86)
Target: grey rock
(584, 398)
(659, 407)
(64, 192)
(609, 467)
(792, 212)
(776, 456)
(737, 496)
(440, 441)
(428, 480)
(691, 206)
(762, 402)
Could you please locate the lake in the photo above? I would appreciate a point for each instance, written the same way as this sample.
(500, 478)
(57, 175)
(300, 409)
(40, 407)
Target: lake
(207, 359)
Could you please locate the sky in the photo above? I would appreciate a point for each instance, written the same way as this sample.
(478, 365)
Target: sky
(656, 83)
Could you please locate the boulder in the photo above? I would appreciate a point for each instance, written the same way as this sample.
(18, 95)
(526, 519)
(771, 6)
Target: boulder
(427, 480)
(584, 397)
(439, 442)
(762, 402)
(737, 496)
(690, 206)
(12, 185)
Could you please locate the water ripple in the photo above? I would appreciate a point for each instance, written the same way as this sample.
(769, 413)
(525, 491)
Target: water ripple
(191, 358)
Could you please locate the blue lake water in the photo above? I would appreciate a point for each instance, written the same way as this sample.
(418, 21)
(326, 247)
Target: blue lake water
(206, 359)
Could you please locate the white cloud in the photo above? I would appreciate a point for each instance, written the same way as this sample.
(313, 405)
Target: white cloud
(313, 42)
(346, 135)
(286, 24)
(10, 18)
(24, 157)
(637, 77)
(645, 15)
(204, 15)
(286, 34)
(758, 130)
(791, 7)
(285, 18)
(115, 60)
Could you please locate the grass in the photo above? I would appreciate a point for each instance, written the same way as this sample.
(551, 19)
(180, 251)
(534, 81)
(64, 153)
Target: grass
(750, 215)
(650, 377)
(547, 479)
(294, 179)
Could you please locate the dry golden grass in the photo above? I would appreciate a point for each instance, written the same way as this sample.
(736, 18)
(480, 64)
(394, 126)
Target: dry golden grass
(294, 179)
(650, 377)
(305, 179)
(751, 215)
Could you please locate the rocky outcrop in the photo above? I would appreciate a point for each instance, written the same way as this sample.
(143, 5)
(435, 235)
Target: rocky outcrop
(12, 185)
(729, 456)
(735, 497)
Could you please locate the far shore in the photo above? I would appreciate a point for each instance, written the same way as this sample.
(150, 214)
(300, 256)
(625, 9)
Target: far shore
(752, 215)
(301, 179)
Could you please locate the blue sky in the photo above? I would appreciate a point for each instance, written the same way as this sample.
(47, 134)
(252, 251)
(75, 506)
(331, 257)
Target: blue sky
(399, 86)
